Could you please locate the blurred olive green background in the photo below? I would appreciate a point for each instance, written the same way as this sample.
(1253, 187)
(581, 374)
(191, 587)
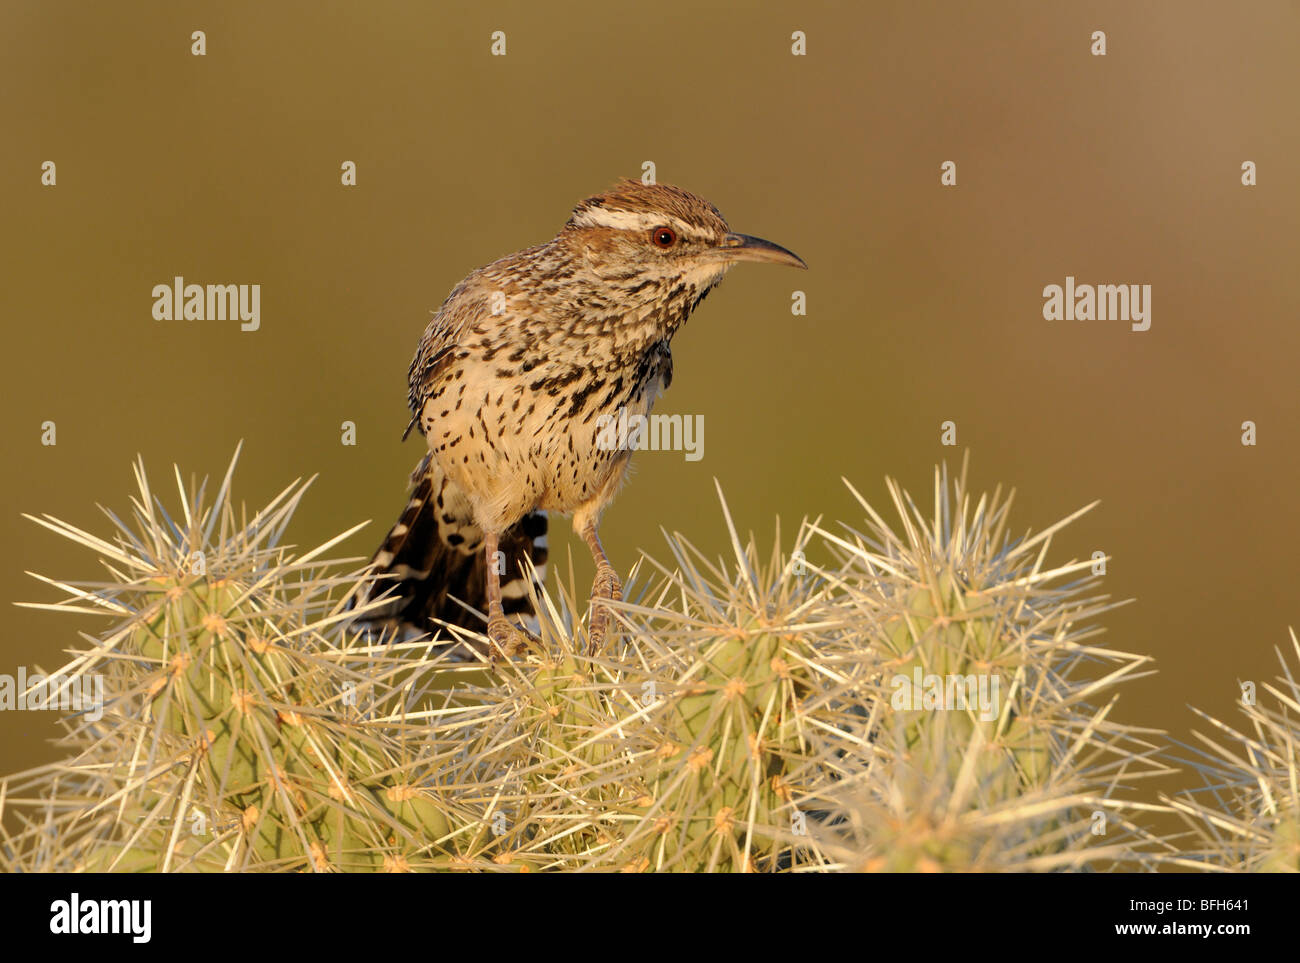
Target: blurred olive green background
(924, 303)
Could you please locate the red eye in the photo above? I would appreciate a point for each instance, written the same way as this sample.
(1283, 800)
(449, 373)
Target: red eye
(664, 237)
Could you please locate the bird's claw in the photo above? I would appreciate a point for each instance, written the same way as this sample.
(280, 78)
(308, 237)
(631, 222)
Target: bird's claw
(607, 587)
(507, 639)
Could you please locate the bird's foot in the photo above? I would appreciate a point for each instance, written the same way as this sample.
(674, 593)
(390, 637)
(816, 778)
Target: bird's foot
(507, 639)
(606, 587)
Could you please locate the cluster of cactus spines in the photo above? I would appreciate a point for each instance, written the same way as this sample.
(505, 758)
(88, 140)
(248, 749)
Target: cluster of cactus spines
(1246, 815)
(993, 752)
(672, 750)
(750, 701)
(235, 734)
(769, 711)
(731, 664)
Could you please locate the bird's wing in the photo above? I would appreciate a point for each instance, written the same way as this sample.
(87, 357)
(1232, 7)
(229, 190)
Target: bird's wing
(469, 306)
(437, 349)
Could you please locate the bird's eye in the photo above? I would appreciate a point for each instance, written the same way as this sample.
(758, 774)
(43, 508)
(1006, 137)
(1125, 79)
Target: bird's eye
(664, 237)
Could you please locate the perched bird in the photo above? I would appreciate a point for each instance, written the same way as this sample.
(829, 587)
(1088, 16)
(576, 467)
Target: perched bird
(508, 385)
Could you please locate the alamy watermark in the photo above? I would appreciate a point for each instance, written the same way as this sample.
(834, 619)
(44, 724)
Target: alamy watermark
(33, 692)
(624, 432)
(129, 917)
(209, 302)
(978, 692)
(1098, 302)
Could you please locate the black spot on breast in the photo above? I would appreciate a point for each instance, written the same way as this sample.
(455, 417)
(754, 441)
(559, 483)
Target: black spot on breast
(580, 396)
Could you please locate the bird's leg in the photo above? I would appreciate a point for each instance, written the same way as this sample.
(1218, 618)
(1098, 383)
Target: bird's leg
(606, 586)
(506, 638)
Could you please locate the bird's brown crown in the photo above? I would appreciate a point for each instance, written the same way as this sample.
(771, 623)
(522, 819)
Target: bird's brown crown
(632, 205)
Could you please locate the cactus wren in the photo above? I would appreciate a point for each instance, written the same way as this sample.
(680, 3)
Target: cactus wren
(508, 385)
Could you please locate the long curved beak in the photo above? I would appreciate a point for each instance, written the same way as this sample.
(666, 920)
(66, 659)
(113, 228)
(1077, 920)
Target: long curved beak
(745, 247)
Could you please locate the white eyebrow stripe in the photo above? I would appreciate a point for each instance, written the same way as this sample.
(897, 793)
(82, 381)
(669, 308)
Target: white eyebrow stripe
(619, 220)
(632, 221)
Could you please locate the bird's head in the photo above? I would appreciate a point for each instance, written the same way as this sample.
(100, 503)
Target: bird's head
(661, 247)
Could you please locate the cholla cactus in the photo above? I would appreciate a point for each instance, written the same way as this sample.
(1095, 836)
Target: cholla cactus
(734, 664)
(749, 715)
(1246, 816)
(235, 735)
(762, 712)
(984, 749)
(672, 751)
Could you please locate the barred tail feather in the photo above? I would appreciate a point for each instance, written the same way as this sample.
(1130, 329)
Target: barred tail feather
(432, 569)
